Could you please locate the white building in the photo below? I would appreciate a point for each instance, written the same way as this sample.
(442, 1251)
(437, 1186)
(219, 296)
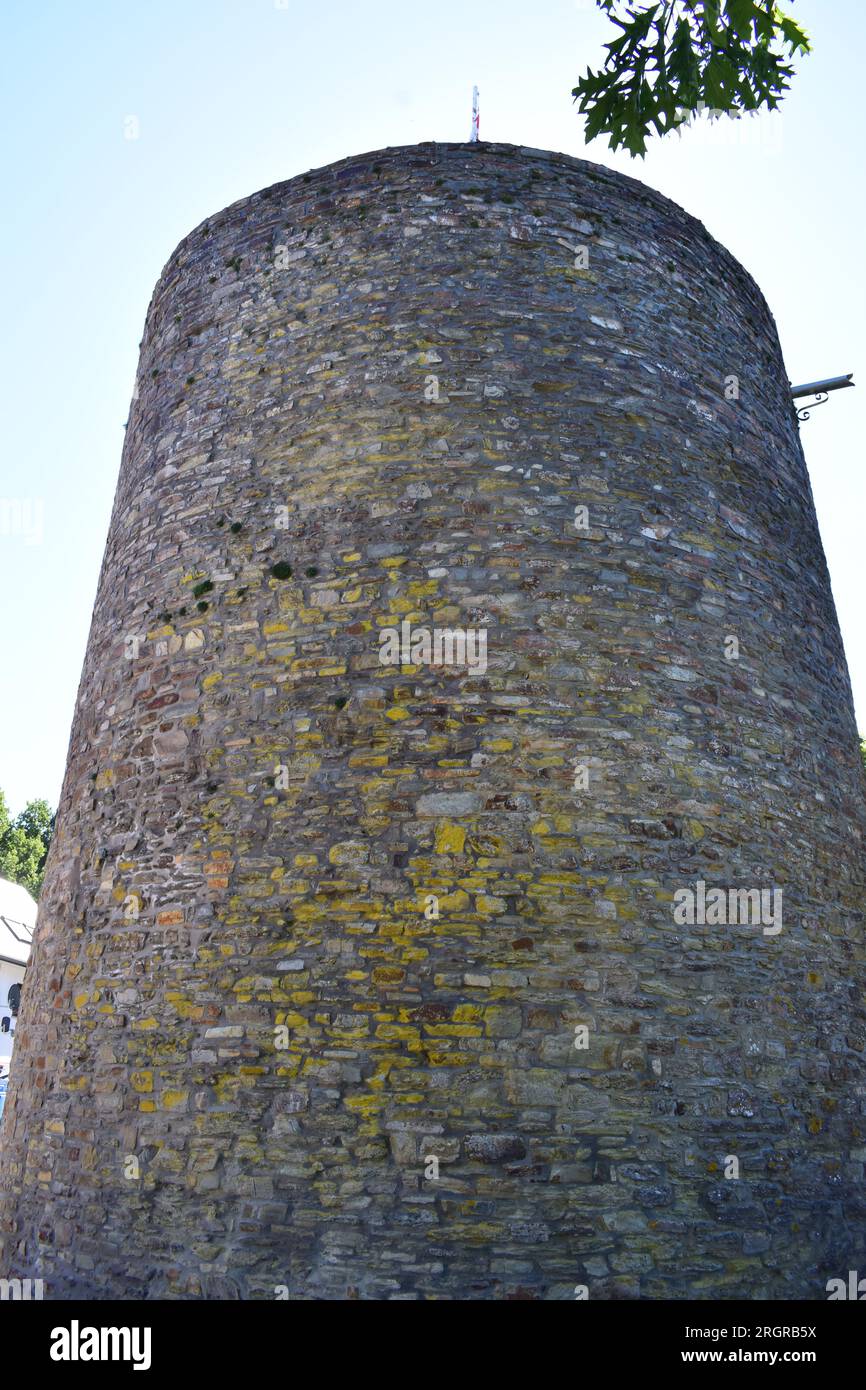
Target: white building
(17, 920)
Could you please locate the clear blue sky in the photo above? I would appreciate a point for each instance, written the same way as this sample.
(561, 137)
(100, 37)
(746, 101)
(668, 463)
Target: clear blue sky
(232, 95)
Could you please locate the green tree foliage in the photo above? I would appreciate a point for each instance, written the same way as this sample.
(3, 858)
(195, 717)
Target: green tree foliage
(24, 841)
(678, 57)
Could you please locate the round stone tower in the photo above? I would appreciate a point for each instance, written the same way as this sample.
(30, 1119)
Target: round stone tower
(457, 886)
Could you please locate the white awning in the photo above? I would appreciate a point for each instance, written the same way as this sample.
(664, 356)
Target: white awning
(17, 920)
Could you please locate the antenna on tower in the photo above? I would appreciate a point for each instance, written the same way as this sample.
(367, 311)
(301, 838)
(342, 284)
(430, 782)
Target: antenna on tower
(473, 138)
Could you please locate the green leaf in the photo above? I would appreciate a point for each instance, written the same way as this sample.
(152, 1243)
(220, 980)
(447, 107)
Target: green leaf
(741, 16)
(794, 36)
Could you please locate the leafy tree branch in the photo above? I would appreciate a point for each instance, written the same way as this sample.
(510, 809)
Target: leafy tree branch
(24, 841)
(677, 57)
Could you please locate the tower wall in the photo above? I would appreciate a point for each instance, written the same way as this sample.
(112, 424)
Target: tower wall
(312, 921)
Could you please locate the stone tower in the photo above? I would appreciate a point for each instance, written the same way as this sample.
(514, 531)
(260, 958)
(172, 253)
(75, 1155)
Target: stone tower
(463, 671)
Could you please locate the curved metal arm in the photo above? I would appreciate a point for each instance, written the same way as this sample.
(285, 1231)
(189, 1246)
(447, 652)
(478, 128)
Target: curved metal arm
(804, 411)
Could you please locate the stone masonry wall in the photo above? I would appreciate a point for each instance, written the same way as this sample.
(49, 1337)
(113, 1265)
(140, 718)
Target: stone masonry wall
(320, 935)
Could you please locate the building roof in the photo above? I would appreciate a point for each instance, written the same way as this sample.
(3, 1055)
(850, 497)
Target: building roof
(17, 920)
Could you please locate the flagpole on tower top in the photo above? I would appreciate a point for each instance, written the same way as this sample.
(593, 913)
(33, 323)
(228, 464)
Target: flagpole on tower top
(473, 138)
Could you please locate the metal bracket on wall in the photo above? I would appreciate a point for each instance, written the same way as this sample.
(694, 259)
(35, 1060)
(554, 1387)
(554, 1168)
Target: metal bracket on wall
(820, 390)
(804, 411)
